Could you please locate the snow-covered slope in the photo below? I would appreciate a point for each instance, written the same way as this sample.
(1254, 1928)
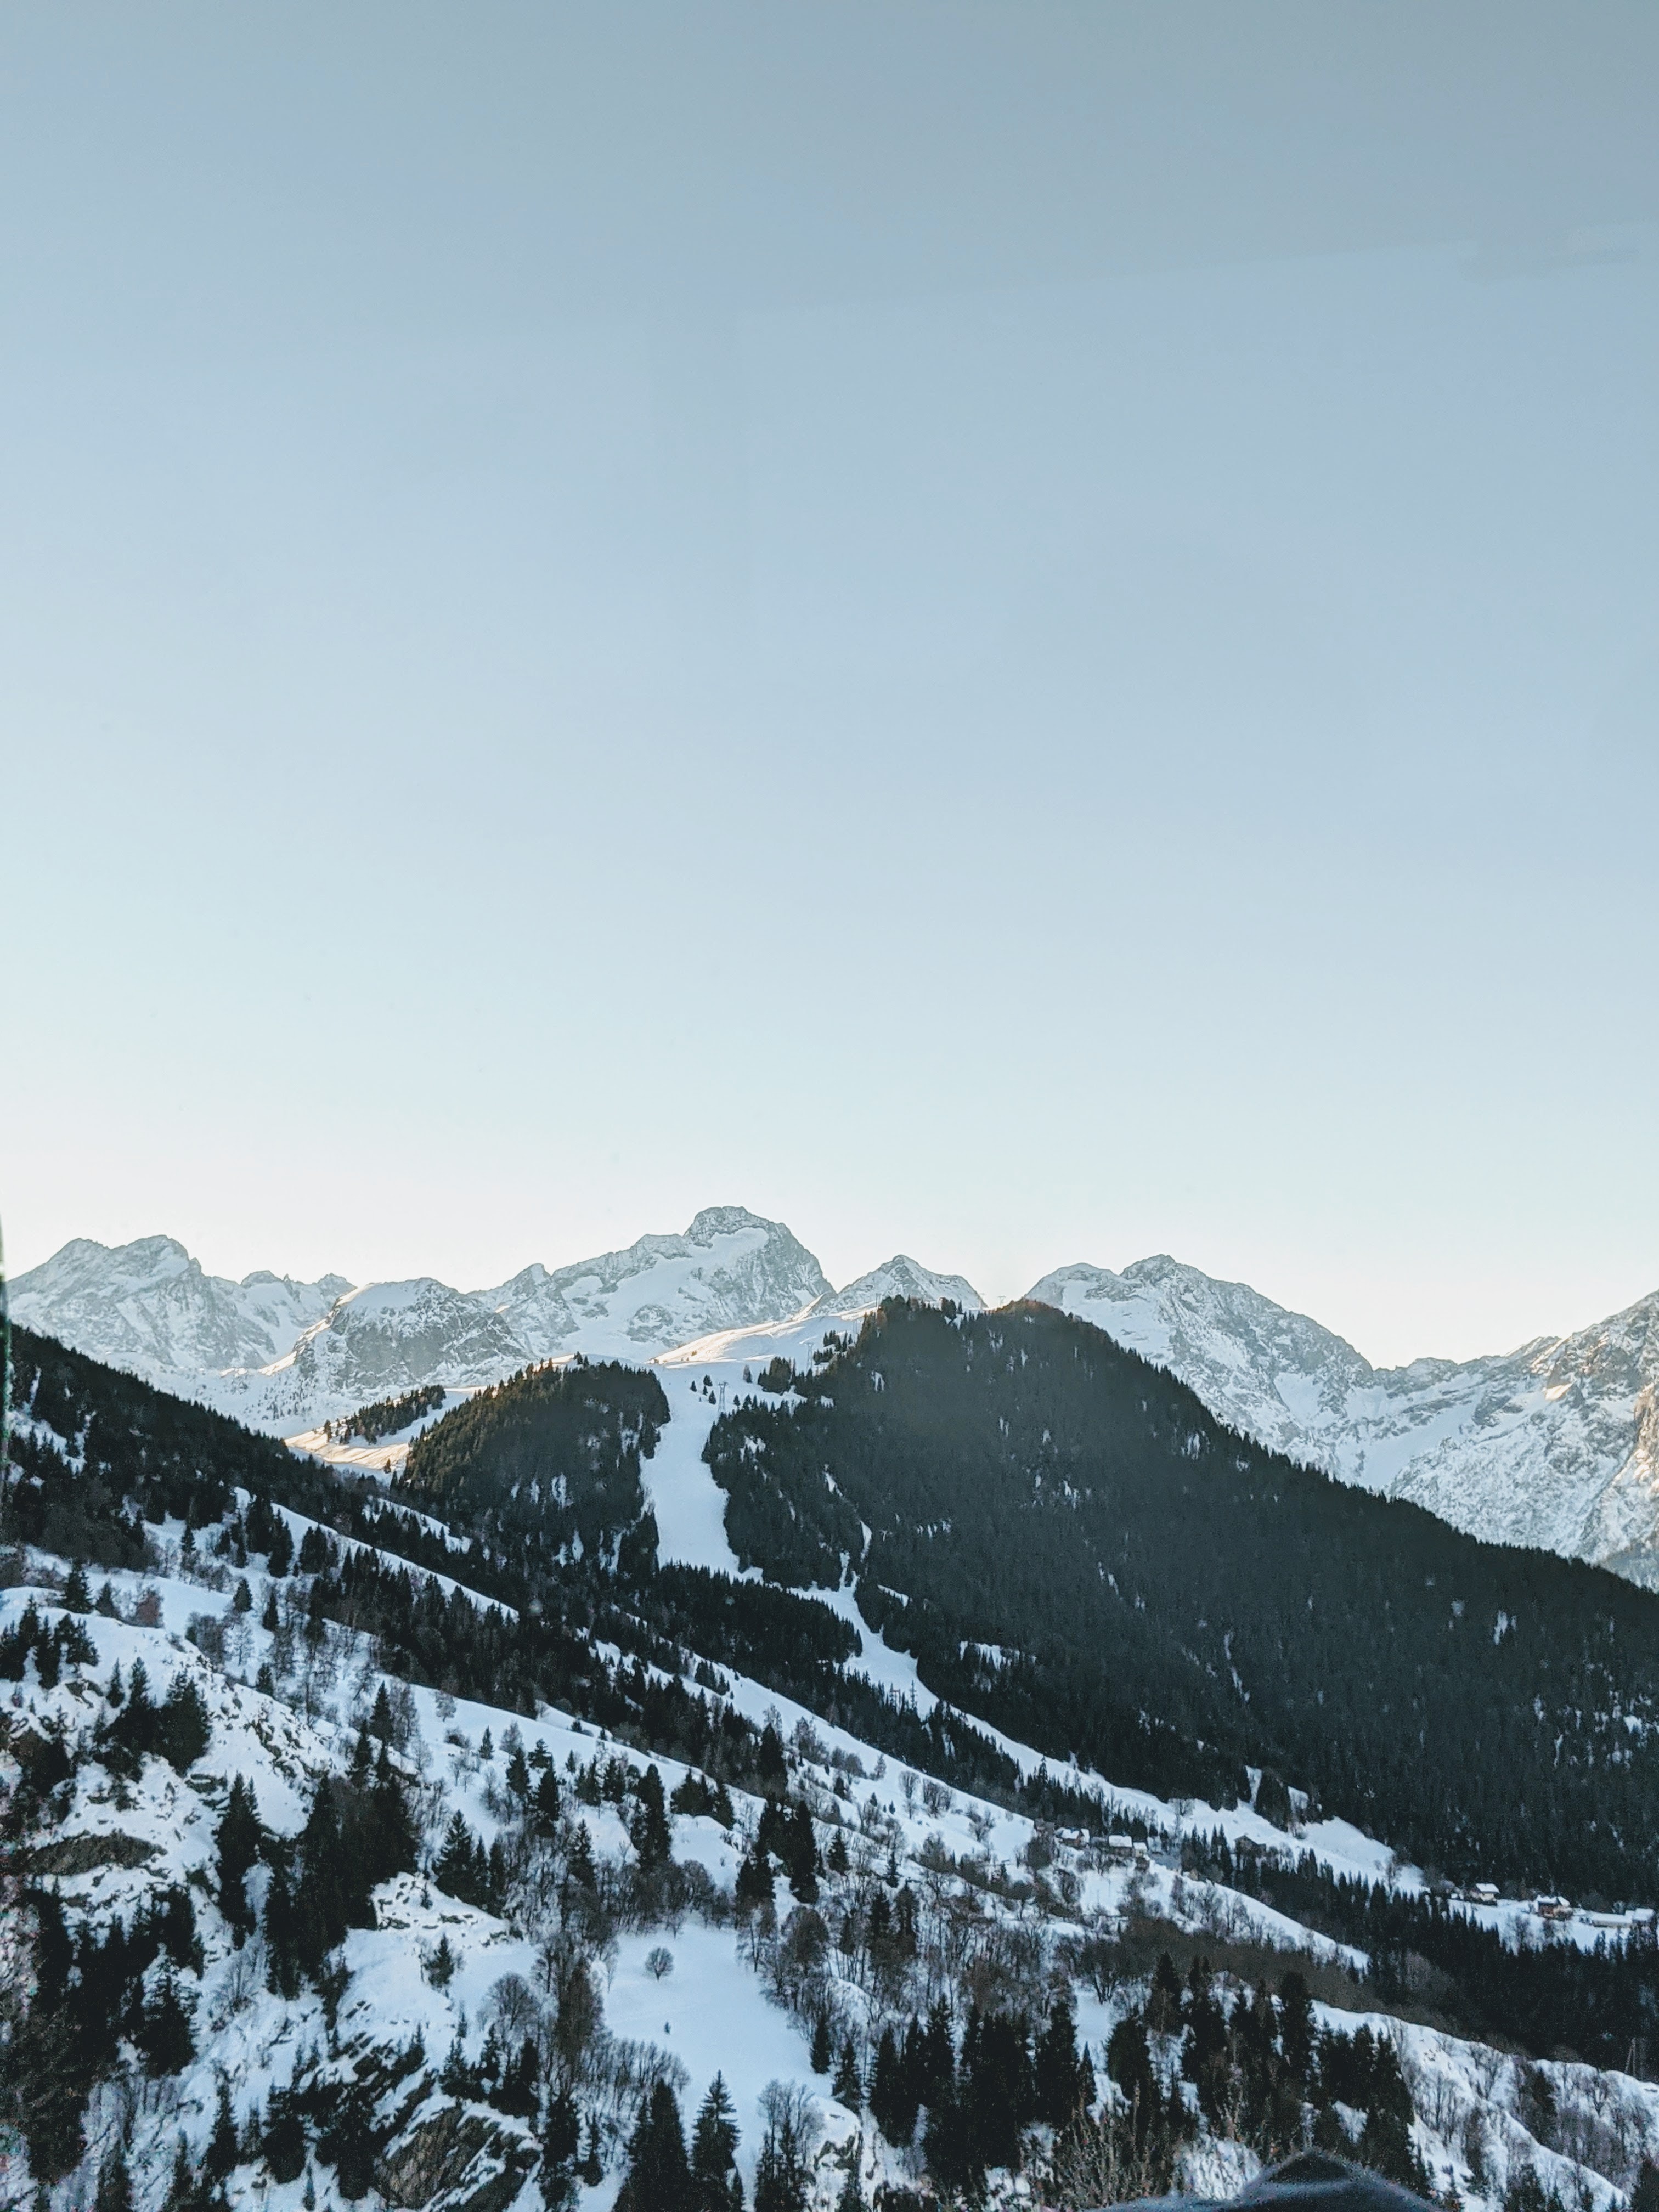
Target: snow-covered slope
(678, 1986)
(902, 1277)
(1556, 1444)
(149, 1308)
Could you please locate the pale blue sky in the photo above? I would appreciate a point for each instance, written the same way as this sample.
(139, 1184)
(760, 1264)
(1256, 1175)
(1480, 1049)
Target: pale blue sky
(1021, 633)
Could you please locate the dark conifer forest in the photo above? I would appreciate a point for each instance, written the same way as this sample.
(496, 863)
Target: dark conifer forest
(1077, 1550)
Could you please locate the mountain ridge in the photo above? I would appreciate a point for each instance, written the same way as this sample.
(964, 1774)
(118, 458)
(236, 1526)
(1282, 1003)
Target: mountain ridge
(1555, 1444)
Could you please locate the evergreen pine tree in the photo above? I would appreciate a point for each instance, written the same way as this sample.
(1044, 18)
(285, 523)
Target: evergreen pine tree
(1057, 2073)
(591, 2168)
(77, 1598)
(658, 2178)
(455, 1870)
(547, 1800)
(581, 1866)
(822, 2047)
(715, 2185)
(268, 1618)
(242, 1597)
(181, 2190)
(381, 1723)
(164, 2035)
(848, 2089)
(653, 1838)
(561, 2142)
(237, 1843)
(222, 2151)
(283, 2138)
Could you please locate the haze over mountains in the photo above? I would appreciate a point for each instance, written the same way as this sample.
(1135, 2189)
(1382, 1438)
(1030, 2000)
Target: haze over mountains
(1555, 1444)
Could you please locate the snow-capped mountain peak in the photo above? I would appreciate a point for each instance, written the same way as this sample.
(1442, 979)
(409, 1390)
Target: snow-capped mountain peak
(729, 1268)
(902, 1277)
(149, 1307)
(1555, 1444)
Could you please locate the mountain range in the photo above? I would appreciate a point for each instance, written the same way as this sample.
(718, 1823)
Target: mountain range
(1554, 1445)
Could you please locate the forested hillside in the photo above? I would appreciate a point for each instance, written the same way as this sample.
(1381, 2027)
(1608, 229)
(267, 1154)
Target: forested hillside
(548, 1460)
(1076, 1550)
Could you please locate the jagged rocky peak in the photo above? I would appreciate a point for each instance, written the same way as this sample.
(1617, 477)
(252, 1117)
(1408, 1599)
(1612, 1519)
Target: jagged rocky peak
(729, 1269)
(149, 1307)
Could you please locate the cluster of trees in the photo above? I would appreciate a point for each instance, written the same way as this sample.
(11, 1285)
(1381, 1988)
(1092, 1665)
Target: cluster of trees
(551, 1455)
(1094, 1564)
(136, 1985)
(386, 1415)
(787, 1834)
(178, 1729)
(64, 1643)
(356, 1835)
(1550, 1997)
(974, 2102)
(145, 1455)
(88, 1994)
(1259, 2070)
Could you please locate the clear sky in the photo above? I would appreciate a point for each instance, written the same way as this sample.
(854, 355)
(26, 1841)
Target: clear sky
(1023, 634)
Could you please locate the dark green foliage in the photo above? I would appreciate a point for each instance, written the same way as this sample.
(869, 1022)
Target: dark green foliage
(464, 1867)
(353, 1839)
(715, 2184)
(114, 2186)
(164, 2037)
(848, 2087)
(222, 2153)
(1062, 2080)
(1554, 1996)
(561, 2142)
(238, 1844)
(515, 2092)
(1030, 1484)
(1129, 2068)
(50, 2065)
(141, 1449)
(658, 2178)
(896, 2085)
(350, 2143)
(177, 1730)
(649, 1828)
(283, 2140)
(182, 2193)
(780, 2171)
(554, 1453)
(387, 1415)
(77, 1598)
(316, 1552)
